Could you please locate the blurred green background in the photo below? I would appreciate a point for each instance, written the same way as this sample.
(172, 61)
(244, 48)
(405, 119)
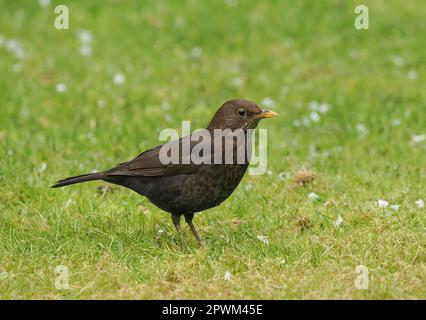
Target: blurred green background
(352, 106)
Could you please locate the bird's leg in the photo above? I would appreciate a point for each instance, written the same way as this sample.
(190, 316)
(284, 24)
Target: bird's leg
(188, 219)
(176, 222)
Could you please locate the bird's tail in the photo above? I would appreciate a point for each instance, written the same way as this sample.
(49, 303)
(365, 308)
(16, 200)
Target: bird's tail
(79, 179)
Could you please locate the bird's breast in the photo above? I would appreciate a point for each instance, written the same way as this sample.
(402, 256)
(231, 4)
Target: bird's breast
(207, 188)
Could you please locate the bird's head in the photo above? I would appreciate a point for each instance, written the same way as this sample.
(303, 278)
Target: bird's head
(239, 114)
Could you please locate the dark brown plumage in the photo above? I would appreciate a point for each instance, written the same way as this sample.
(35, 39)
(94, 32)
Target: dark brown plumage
(187, 187)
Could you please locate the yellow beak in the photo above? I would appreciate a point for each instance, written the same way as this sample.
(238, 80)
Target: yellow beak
(267, 114)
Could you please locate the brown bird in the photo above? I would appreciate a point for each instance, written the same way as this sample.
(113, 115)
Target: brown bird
(187, 185)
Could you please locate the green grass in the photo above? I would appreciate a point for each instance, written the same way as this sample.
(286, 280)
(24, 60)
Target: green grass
(291, 51)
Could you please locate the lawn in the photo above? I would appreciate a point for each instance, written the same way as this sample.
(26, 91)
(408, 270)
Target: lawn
(353, 112)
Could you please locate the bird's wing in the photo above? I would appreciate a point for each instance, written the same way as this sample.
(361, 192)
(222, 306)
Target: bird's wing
(150, 164)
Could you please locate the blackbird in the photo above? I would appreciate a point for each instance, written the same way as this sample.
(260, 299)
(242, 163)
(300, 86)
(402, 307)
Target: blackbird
(186, 186)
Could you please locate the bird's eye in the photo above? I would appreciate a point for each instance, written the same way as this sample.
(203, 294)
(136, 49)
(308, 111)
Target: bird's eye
(242, 112)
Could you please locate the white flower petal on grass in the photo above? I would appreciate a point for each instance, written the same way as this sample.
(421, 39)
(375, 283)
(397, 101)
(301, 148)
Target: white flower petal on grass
(91, 137)
(313, 105)
(412, 75)
(382, 203)
(6, 275)
(85, 36)
(85, 50)
(420, 203)
(313, 151)
(119, 79)
(315, 117)
(313, 196)
(43, 3)
(227, 276)
(19, 53)
(339, 221)
(284, 175)
(362, 129)
(68, 203)
(395, 207)
(43, 167)
(160, 232)
(268, 102)
(14, 46)
(237, 82)
(196, 52)
(324, 107)
(263, 239)
(165, 106)
(306, 122)
(398, 61)
(101, 103)
(319, 107)
(418, 138)
(61, 88)
(231, 3)
(248, 186)
(168, 117)
(396, 122)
